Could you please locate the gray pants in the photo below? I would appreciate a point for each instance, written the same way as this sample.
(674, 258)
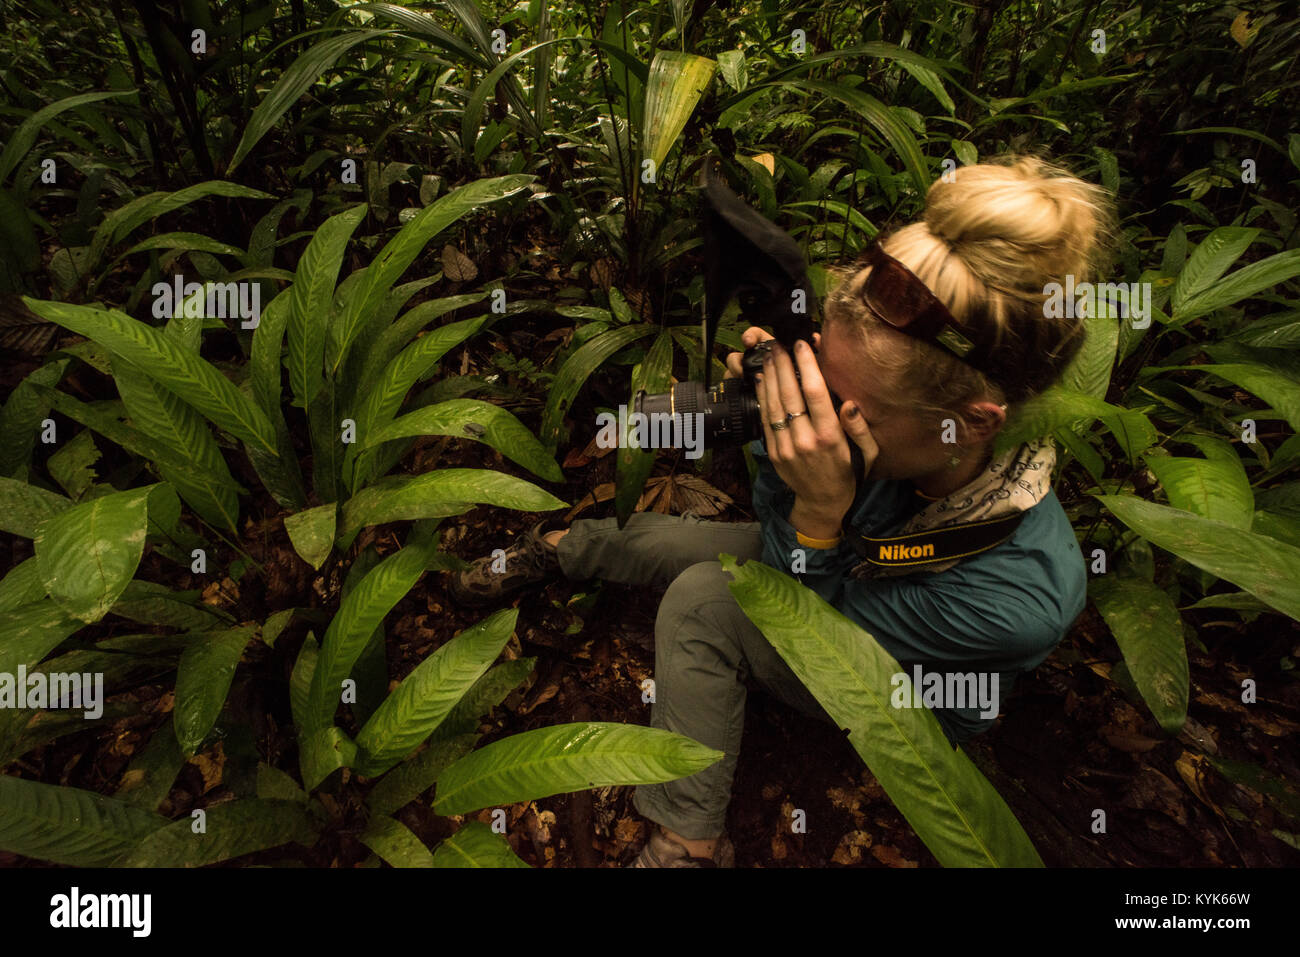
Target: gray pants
(705, 647)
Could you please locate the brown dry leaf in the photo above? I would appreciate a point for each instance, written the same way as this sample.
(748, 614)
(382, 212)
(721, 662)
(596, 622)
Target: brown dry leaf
(629, 830)
(1130, 743)
(211, 766)
(851, 847)
(1196, 735)
(545, 694)
(456, 266)
(1241, 30)
(767, 161)
(601, 493)
(1193, 769)
(778, 848)
(845, 799)
(890, 856)
(1101, 668)
(602, 273)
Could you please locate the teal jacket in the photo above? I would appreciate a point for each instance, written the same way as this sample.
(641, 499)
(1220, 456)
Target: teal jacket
(1005, 609)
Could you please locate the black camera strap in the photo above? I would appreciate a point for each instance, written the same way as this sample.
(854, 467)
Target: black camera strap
(933, 545)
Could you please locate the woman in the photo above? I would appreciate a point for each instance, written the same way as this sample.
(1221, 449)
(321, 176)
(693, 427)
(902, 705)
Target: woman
(927, 358)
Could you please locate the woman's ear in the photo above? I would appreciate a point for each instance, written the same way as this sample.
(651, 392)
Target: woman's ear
(985, 419)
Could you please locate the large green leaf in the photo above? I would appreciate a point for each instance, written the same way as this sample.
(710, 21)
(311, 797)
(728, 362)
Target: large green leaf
(427, 695)
(633, 465)
(676, 82)
(292, 84)
(312, 533)
(32, 631)
(412, 778)
(889, 126)
(1089, 372)
(1213, 487)
(385, 397)
(68, 825)
(119, 224)
(955, 811)
(320, 753)
(1280, 391)
(396, 335)
(22, 415)
(313, 293)
(280, 472)
(402, 249)
(1265, 567)
(23, 138)
(23, 507)
(359, 614)
(22, 585)
(89, 552)
(438, 494)
(395, 843)
(230, 830)
(488, 692)
(564, 758)
(204, 481)
(476, 845)
(1242, 284)
(1062, 408)
(1149, 630)
(1210, 260)
(477, 420)
(577, 369)
(206, 670)
(184, 373)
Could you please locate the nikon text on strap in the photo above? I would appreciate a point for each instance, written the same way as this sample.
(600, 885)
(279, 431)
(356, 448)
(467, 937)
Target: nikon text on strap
(933, 545)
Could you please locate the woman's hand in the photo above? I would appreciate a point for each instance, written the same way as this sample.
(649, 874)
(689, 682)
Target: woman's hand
(811, 455)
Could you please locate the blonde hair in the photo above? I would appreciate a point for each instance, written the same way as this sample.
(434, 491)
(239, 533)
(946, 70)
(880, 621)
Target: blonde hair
(990, 239)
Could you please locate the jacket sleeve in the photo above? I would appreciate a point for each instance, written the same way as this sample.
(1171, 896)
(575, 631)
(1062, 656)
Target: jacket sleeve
(821, 569)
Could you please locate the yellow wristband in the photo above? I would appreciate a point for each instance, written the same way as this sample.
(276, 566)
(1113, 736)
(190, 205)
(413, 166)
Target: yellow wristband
(817, 542)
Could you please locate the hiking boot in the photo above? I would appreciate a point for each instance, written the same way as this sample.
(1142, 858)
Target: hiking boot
(661, 851)
(529, 562)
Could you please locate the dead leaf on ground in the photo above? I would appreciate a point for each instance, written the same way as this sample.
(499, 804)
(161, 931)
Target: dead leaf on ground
(211, 765)
(851, 846)
(456, 266)
(890, 856)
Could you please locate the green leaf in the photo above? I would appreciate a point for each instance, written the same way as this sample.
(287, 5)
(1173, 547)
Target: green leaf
(300, 680)
(1149, 630)
(22, 586)
(23, 413)
(955, 811)
(1210, 260)
(1242, 284)
(894, 132)
(1263, 566)
(204, 481)
(359, 614)
(383, 400)
(24, 507)
(476, 845)
(577, 369)
(404, 783)
(402, 249)
(1059, 408)
(184, 373)
(677, 81)
(280, 472)
(313, 294)
(321, 753)
(119, 224)
(31, 632)
(1213, 487)
(479, 421)
(930, 80)
(395, 843)
(89, 552)
(149, 778)
(292, 84)
(274, 783)
(68, 825)
(427, 695)
(488, 692)
(71, 465)
(633, 465)
(1280, 391)
(232, 830)
(1089, 372)
(564, 758)
(438, 494)
(312, 533)
(207, 668)
(22, 139)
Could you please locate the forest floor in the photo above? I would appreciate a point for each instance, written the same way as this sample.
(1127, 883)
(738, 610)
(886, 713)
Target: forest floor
(1069, 744)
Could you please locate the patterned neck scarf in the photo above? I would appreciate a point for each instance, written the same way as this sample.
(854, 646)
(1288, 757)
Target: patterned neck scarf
(1015, 481)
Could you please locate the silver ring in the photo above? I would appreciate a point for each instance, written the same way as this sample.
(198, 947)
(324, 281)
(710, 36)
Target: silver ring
(778, 425)
(789, 416)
